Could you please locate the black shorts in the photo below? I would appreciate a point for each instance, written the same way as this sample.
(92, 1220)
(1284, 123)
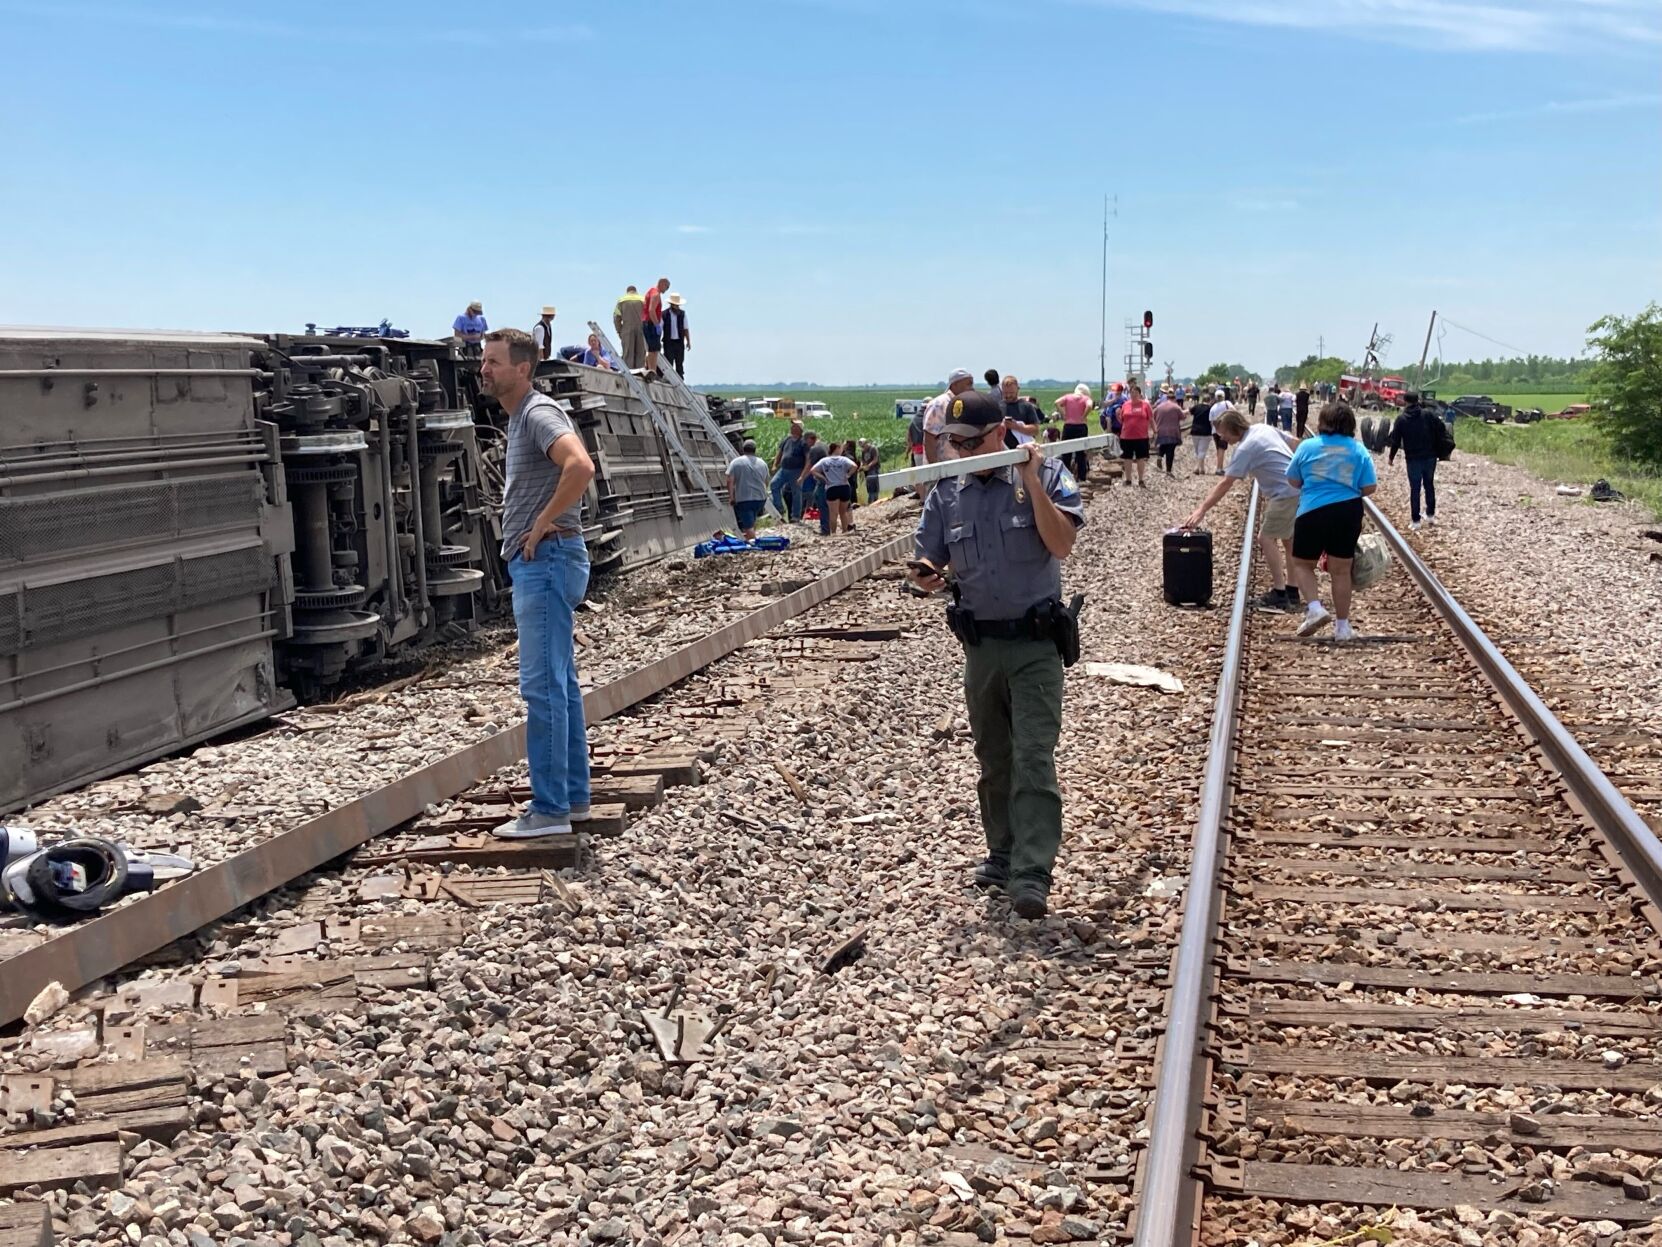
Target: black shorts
(1133, 448)
(1331, 530)
(839, 493)
(1219, 442)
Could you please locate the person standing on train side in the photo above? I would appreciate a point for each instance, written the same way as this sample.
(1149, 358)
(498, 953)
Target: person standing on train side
(652, 323)
(677, 341)
(542, 334)
(1136, 423)
(1003, 534)
(1333, 472)
(471, 326)
(548, 471)
(627, 320)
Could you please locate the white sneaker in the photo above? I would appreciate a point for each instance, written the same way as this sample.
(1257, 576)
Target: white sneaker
(1341, 630)
(1414, 527)
(1316, 617)
(1431, 521)
(534, 827)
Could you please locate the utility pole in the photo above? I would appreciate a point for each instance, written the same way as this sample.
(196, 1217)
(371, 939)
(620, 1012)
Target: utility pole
(1321, 347)
(1102, 352)
(1419, 378)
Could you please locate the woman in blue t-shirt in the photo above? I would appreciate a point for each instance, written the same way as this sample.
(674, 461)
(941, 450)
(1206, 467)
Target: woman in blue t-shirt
(1333, 472)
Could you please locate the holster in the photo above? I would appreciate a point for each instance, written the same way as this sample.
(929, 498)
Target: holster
(960, 622)
(1060, 624)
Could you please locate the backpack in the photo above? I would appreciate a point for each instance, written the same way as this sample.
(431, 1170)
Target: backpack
(1442, 437)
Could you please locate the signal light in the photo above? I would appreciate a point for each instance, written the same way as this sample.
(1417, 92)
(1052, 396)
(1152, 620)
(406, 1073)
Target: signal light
(1148, 351)
(1148, 320)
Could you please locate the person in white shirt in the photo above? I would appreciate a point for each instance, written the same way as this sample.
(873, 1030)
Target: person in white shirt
(1262, 453)
(542, 334)
(1221, 405)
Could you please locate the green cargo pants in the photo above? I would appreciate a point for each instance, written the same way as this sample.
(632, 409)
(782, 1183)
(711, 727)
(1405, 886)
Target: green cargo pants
(1014, 693)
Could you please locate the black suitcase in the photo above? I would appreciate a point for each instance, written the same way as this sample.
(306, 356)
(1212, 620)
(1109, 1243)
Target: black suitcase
(1187, 564)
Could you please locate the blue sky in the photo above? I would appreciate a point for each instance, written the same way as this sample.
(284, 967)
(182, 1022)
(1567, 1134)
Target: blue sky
(844, 190)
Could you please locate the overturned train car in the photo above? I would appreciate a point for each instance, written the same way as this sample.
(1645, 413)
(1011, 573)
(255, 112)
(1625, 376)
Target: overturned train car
(196, 530)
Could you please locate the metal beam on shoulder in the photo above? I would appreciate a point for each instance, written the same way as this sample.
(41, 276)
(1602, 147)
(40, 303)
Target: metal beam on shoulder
(982, 463)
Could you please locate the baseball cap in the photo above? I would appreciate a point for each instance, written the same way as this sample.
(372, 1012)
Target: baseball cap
(958, 374)
(972, 412)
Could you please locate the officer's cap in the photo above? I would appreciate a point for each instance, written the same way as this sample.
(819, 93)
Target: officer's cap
(971, 413)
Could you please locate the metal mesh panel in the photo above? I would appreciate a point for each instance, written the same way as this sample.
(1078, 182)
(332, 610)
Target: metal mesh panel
(62, 612)
(54, 524)
(10, 624)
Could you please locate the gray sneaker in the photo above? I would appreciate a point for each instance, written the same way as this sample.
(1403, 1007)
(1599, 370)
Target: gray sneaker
(1316, 617)
(534, 827)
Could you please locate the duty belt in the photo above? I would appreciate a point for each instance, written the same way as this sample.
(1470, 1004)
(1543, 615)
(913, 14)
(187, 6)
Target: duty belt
(1047, 621)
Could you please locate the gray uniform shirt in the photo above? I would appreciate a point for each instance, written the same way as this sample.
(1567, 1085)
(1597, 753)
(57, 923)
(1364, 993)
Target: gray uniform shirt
(532, 475)
(750, 478)
(992, 539)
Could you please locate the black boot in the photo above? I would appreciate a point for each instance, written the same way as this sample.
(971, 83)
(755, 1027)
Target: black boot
(1030, 898)
(993, 873)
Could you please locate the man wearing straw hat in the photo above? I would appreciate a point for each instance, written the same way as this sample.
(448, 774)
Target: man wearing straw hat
(542, 333)
(677, 341)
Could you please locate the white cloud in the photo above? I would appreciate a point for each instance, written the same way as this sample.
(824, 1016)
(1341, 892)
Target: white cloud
(1554, 108)
(1454, 25)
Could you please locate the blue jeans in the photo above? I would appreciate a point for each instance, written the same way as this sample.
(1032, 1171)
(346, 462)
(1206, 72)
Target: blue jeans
(546, 591)
(818, 486)
(785, 488)
(1422, 474)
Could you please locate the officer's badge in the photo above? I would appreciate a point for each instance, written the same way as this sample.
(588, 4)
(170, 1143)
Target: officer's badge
(1065, 484)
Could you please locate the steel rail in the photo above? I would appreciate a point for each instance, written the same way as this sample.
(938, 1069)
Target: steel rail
(1168, 1191)
(103, 945)
(1610, 813)
(1168, 1202)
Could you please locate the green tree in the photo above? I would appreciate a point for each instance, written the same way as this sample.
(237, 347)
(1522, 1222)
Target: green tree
(1225, 373)
(1312, 369)
(1625, 382)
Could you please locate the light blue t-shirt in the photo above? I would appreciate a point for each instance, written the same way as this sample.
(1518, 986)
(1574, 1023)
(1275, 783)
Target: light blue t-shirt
(1332, 468)
(470, 325)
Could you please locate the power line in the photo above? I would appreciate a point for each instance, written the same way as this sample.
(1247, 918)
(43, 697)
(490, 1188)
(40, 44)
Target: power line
(1516, 350)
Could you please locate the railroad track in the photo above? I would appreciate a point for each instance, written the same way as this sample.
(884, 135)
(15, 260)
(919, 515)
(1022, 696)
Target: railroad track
(1419, 965)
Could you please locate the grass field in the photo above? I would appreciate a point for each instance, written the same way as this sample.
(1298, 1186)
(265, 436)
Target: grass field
(1567, 451)
(857, 413)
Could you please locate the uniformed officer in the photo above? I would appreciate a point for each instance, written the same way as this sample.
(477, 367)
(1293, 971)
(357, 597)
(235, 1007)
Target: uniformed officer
(1002, 535)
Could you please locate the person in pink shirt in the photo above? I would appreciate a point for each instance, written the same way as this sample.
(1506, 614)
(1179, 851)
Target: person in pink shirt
(1136, 422)
(1075, 410)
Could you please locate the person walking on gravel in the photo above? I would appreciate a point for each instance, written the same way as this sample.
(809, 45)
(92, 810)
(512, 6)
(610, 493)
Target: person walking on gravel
(1075, 410)
(1252, 400)
(548, 471)
(1418, 434)
(1168, 429)
(1200, 431)
(1221, 405)
(1262, 453)
(1136, 424)
(1003, 534)
(1333, 473)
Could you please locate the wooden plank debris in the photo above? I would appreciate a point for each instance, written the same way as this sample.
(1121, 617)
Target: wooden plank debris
(26, 1225)
(97, 1165)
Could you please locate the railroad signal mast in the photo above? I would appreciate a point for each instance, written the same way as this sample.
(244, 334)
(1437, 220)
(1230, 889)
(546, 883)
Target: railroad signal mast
(1139, 349)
